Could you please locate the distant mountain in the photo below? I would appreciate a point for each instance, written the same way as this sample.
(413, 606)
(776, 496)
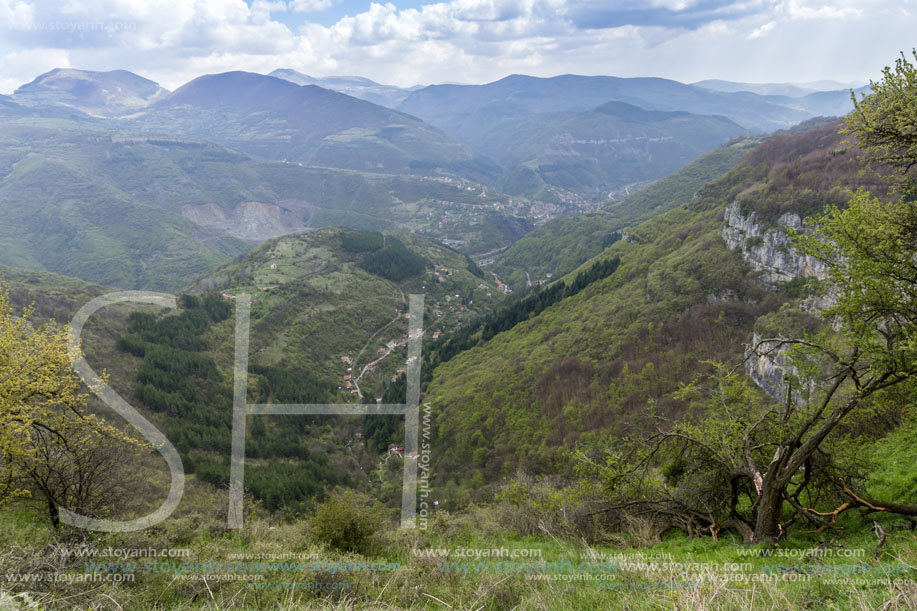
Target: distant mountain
(10, 107)
(830, 103)
(105, 94)
(783, 89)
(792, 90)
(356, 86)
(277, 119)
(517, 95)
(609, 147)
(822, 98)
(135, 211)
(563, 244)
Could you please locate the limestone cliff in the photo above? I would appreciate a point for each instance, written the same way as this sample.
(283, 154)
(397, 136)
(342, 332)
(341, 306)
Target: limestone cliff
(767, 248)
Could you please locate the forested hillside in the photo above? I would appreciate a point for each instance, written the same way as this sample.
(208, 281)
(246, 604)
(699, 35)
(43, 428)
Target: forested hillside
(611, 359)
(157, 212)
(561, 245)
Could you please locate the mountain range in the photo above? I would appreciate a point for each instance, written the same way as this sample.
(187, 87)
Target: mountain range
(559, 331)
(468, 131)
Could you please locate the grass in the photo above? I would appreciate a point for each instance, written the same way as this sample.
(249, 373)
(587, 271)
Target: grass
(461, 561)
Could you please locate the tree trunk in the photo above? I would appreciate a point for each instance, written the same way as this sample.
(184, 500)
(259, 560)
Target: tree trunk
(767, 522)
(54, 513)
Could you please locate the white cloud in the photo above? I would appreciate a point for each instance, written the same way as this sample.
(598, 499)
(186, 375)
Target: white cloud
(173, 41)
(674, 5)
(310, 6)
(16, 14)
(761, 31)
(799, 9)
(21, 67)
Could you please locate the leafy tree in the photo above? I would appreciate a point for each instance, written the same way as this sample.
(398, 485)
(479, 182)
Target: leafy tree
(48, 441)
(885, 121)
(744, 463)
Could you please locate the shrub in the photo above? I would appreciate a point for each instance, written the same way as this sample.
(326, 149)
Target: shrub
(349, 521)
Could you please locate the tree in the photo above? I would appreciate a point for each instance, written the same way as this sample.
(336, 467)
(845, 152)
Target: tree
(81, 471)
(49, 443)
(744, 464)
(885, 121)
(870, 250)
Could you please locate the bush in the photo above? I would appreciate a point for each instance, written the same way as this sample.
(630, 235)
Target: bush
(349, 521)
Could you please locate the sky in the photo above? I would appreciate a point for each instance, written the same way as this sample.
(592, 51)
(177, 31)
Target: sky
(411, 42)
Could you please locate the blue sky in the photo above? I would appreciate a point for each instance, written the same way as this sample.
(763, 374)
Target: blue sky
(408, 42)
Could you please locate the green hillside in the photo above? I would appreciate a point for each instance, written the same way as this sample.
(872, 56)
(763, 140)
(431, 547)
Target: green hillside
(157, 212)
(317, 297)
(612, 358)
(320, 297)
(599, 357)
(600, 151)
(561, 245)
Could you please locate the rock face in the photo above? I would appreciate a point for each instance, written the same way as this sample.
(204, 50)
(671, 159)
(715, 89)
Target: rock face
(768, 370)
(768, 248)
(252, 221)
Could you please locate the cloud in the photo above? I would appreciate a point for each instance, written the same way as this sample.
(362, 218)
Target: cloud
(761, 31)
(798, 9)
(310, 6)
(20, 67)
(16, 14)
(687, 14)
(173, 41)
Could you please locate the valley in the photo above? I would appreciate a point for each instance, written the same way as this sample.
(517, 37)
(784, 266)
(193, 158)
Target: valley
(665, 356)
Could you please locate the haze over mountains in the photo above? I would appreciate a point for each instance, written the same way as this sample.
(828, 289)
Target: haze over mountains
(357, 86)
(108, 94)
(182, 180)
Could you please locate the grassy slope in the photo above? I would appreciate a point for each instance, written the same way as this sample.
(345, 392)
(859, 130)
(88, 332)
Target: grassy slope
(671, 264)
(322, 305)
(675, 574)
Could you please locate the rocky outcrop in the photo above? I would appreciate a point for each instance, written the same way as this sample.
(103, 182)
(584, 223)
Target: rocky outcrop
(768, 248)
(252, 221)
(768, 367)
